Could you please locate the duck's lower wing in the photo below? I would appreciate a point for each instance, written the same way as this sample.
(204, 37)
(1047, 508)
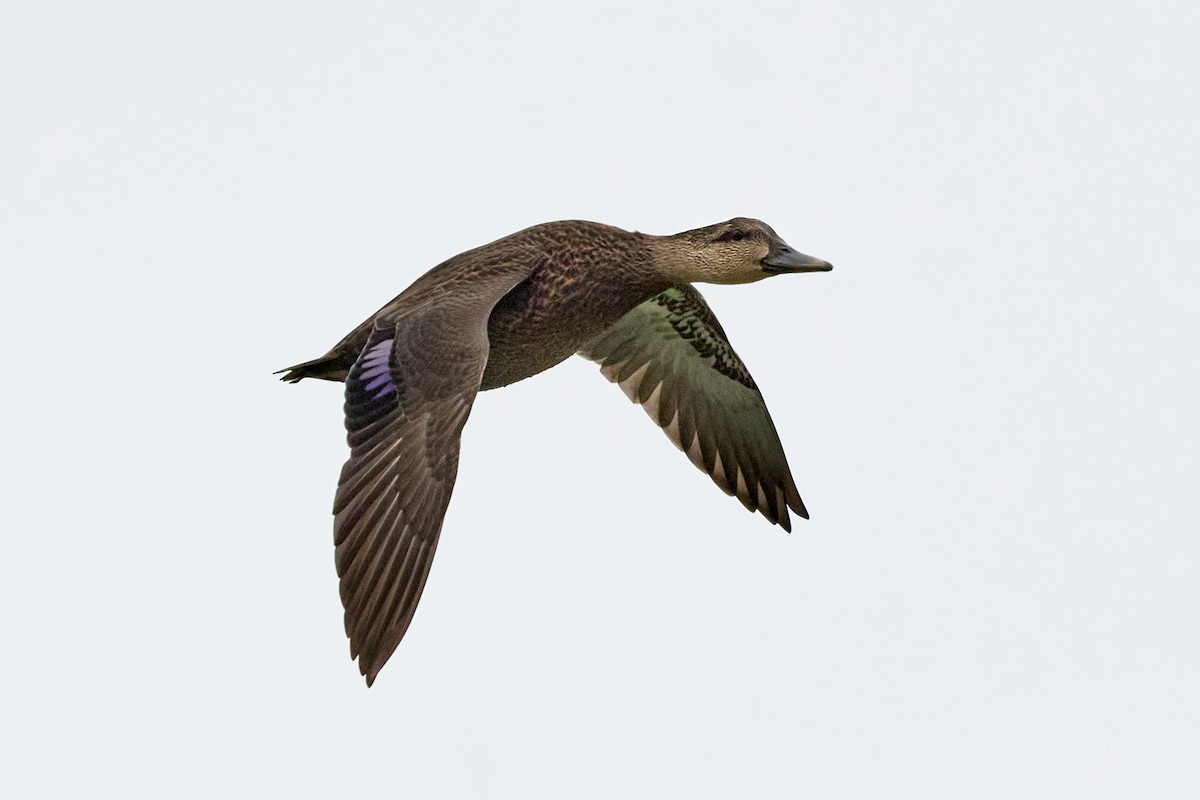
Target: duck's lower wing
(670, 355)
(407, 398)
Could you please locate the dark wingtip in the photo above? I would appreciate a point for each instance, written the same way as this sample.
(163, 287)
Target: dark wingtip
(370, 673)
(795, 503)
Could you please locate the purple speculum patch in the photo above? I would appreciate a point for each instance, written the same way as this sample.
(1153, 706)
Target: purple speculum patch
(376, 371)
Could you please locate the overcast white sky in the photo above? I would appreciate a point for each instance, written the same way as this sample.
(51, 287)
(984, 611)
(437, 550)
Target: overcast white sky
(990, 405)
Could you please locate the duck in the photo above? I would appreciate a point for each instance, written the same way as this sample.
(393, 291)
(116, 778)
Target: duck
(506, 311)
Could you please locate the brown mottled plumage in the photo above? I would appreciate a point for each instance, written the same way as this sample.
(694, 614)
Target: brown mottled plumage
(511, 309)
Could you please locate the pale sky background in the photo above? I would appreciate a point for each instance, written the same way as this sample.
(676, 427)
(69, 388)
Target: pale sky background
(990, 405)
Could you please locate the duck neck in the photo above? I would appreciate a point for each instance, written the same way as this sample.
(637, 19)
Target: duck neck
(677, 261)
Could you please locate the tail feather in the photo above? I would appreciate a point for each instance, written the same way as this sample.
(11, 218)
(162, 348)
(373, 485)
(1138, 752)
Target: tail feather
(332, 366)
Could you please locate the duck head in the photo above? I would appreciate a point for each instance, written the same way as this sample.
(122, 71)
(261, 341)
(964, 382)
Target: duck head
(741, 250)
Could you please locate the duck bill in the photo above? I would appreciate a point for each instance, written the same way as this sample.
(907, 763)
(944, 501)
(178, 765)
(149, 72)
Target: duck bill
(782, 258)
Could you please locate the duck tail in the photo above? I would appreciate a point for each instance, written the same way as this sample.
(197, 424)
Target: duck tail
(336, 364)
(332, 366)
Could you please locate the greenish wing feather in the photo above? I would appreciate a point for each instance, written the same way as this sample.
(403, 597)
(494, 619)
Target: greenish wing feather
(671, 356)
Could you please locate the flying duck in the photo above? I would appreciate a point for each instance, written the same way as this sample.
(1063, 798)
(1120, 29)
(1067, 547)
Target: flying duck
(511, 309)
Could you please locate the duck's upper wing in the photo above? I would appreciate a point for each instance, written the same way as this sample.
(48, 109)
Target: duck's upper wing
(670, 355)
(407, 398)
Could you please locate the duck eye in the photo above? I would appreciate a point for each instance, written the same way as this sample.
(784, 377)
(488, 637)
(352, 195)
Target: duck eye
(738, 236)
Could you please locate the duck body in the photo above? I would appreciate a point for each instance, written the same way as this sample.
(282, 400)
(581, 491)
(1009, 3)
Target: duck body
(560, 307)
(543, 320)
(508, 310)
